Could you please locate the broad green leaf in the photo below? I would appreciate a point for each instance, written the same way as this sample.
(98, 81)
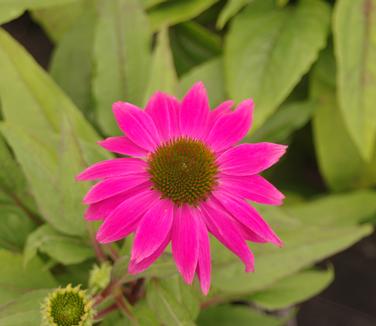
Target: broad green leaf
(265, 56)
(282, 3)
(15, 279)
(30, 99)
(193, 44)
(33, 121)
(115, 318)
(162, 75)
(9, 12)
(76, 274)
(147, 4)
(30, 4)
(12, 180)
(355, 47)
(58, 20)
(10, 174)
(335, 149)
(23, 311)
(70, 71)
(231, 8)
(162, 268)
(168, 309)
(61, 248)
(15, 226)
(211, 74)
(337, 210)
(308, 238)
(172, 12)
(293, 289)
(303, 247)
(284, 122)
(50, 173)
(144, 315)
(229, 315)
(122, 58)
(11, 9)
(187, 295)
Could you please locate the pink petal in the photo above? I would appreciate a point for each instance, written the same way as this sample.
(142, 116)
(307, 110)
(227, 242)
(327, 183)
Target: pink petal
(102, 209)
(135, 268)
(164, 110)
(248, 234)
(185, 242)
(220, 110)
(247, 216)
(137, 125)
(113, 168)
(111, 187)
(204, 262)
(247, 159)
(194, 112)
(252, 187)
(153, 229)
(123, 145)
(231, 128)
(124, 218)
(222, 227)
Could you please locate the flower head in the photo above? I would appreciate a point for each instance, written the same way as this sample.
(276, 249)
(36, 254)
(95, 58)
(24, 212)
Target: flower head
(67, 306)
(185, 175)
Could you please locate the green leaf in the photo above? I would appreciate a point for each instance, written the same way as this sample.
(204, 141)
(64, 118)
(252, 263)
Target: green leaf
(192, 44)
(63, 249)
(15, 279)
(282, 3)
(76, 274)
(48, 177)
(23, 311)
(162, 72)
(30, 99)
(11, 9)
(284, 122)
(8, 13)
(162, 268)
(15, 226)
(308, 238)
(231, 8)
(36, 112)
(58, 20)
(121, 56)
(337, 210)
(172, 12)
(228, 315)
(144, 315)
(168, 309)
(211, 74)
(10, 173)
(355, 42)
(304, 246)
(147, 4)
(68, 69)
(335, 149)
(293, 289)
(187, 295)
(264, 52)
(12, 180)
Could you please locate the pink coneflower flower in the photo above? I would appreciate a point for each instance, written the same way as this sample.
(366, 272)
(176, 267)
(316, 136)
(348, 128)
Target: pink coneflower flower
(185, 176)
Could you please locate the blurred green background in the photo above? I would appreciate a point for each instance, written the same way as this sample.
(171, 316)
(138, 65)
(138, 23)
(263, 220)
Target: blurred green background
(310, 66)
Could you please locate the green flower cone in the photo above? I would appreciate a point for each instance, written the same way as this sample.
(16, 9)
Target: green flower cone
(69, 306)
